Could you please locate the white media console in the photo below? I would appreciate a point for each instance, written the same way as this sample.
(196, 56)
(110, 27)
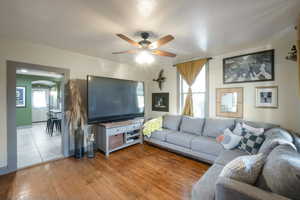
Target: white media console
(113, 136)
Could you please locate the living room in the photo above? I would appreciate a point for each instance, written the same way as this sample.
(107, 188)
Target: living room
(196, 77)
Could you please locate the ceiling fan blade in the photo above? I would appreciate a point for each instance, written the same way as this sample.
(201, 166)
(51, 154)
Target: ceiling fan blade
(134, 43)
(161, 41)
(163, 53)
(128, 51)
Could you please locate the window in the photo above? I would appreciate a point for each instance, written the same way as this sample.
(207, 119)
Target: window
(199, 93)
(39, 98)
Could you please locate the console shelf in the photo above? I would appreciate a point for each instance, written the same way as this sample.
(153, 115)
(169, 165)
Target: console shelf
(114, 136)
(125, 145)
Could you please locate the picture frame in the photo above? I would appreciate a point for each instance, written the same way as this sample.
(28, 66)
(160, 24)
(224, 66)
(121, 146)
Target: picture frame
(21, 97)
(160, 102)
(230, 102)
(253, 67)
(266, 97)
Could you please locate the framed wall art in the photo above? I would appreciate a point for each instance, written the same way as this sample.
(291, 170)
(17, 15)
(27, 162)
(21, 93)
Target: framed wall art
(267, 97)
(21, 97)
(229, 102)
(160, 102)
(252, 67)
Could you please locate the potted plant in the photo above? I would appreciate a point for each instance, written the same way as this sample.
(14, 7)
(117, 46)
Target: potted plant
(76, 117)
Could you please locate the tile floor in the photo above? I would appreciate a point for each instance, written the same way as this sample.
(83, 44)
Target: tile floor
(36, 146)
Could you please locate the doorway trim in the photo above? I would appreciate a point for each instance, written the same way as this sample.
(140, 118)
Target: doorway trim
(11, 67)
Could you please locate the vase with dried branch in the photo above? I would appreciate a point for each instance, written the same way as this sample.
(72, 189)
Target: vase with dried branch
(76, 116)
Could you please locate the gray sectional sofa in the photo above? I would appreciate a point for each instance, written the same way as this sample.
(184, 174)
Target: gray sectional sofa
(196, 138)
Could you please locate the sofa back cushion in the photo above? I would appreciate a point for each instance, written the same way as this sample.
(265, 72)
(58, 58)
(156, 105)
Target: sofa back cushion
(275, 137)
(281, 172)
(171, 122)
(216, 127)
(192, 125)
(263, 125)
(296, 141)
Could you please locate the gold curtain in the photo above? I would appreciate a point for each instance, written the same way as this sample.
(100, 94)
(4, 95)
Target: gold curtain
(298, 52)
(189, 72)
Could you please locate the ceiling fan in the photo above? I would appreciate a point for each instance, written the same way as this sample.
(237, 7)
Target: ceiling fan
(145, 44)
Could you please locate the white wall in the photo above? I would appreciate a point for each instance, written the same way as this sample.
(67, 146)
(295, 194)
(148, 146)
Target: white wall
(286, 78)
(79, 65)
(170, 85)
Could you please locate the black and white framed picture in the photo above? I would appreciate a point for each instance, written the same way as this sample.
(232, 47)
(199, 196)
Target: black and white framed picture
(160, 102)
(267, 97)
(21, 97)
(252, 67)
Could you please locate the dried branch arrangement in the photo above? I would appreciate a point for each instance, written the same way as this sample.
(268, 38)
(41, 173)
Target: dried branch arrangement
(76, 113)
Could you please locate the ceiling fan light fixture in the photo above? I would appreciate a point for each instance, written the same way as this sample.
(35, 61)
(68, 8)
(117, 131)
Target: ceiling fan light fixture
(144, 57)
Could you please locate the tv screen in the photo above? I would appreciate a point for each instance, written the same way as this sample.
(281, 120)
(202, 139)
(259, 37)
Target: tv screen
(112, 99)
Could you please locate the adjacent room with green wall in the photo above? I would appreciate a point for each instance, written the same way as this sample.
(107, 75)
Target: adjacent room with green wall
(24, 114)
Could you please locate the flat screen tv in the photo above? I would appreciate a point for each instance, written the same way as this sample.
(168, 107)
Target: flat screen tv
(110, 99)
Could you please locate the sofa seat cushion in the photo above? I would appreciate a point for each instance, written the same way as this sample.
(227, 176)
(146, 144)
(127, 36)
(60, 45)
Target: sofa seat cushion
(180, 139)
(161, 134)
(192, 125)
(215, 127)
(171, 122)
(204, 189)
(227, 156)
(206, 145)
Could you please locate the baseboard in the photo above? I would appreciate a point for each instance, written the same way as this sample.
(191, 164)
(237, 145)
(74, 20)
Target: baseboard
(6, 170)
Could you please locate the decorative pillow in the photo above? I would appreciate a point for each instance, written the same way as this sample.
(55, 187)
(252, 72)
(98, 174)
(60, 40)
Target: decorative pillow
(230, 140)
(220, 138)
(238, 129)
(270, 144)
(281, 172)
(244, 168)
(152, 125)
(251, 142)
(266, 126)
(257, 131)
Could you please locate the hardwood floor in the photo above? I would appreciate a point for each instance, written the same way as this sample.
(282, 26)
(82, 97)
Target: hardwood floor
(137, 172)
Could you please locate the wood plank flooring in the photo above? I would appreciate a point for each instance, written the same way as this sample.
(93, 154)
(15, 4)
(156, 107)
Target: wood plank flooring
(137, 172)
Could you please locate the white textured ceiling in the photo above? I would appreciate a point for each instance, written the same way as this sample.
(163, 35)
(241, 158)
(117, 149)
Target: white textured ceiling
(200, 27)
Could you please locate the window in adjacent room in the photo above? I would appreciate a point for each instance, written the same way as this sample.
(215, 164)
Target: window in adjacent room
(39, 98)
(199, 93)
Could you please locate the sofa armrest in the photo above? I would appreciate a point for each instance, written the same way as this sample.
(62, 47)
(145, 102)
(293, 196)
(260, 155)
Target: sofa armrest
(229, 189)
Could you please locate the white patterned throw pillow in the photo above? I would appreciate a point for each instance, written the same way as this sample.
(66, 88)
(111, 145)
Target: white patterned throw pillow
(238, 129)
(230, 140)
(244, 168)
(257, 131)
